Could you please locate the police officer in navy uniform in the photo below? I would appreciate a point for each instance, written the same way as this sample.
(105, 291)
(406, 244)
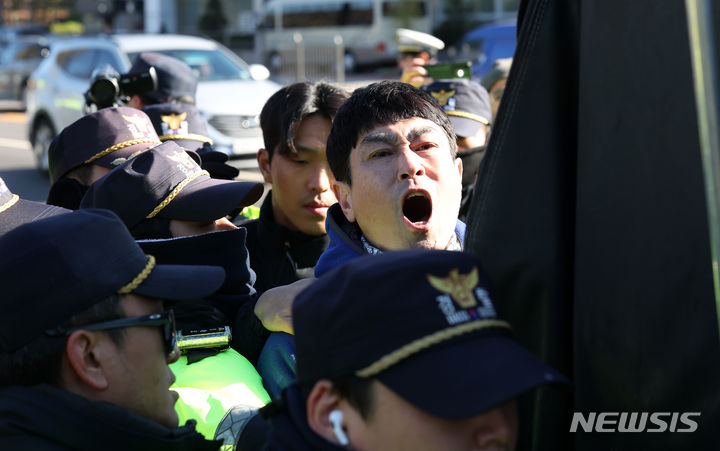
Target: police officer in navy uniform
(91, 147)
(174, 98)
(176, 81)
(419, 361)
(179, 212)
(85, 338)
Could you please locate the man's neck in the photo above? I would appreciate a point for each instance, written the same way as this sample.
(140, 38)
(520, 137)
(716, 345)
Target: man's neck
(452, 245)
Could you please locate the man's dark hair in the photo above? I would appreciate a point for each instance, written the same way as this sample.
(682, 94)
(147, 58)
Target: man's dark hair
(285, 110)
(38, 362)
(378, 104)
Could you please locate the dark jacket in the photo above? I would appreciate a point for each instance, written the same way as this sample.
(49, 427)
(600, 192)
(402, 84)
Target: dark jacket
(49, 418)
(289, 426)
(278, 255)
(345, 240)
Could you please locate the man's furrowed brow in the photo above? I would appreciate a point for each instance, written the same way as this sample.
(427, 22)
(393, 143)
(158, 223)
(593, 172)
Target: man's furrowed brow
(418, 132)
(380, 137)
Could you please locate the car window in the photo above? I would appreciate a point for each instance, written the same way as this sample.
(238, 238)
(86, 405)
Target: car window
(77, 63)
(29, 52)
(104, 58)
(208, 65)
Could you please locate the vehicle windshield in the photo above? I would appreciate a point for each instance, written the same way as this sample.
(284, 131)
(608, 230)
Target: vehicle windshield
(208, 65)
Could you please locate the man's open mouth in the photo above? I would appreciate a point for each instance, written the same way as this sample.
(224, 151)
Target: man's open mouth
(417, 207)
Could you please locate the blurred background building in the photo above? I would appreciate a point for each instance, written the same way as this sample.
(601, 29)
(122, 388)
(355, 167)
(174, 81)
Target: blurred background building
(232, 22)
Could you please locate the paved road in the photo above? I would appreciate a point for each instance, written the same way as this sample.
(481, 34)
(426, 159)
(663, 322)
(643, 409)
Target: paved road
(17, 165)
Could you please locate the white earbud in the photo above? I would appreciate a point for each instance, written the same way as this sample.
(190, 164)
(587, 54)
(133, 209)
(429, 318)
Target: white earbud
(336, 417)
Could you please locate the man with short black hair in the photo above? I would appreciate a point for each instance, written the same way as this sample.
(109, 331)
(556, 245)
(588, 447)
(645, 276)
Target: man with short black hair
(393, 152)
(420, 361)
(85, 345)
(288, 238)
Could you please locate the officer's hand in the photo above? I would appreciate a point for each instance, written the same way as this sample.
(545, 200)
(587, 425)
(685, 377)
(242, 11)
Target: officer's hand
(214, 162)
(274, 308)
(415, 73)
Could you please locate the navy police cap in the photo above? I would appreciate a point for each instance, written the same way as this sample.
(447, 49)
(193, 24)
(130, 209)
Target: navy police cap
(107, 138)
(165, 182)
(466, 103)
(423, 323)
(175, 79)
(57, 267)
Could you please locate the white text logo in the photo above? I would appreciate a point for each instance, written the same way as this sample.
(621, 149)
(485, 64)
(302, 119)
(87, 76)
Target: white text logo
(634, 422)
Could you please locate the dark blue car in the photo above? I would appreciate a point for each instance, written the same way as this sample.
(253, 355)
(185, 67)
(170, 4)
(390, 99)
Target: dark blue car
(487, 43)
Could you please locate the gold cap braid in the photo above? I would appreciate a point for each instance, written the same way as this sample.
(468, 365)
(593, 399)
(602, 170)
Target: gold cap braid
(474, 117)
(418, 345)
(119, 146)
(175, 192)
(13, 200)
(140, 277)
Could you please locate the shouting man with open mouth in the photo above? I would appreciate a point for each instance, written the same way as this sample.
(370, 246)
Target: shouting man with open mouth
(398, 182)
(398, 179)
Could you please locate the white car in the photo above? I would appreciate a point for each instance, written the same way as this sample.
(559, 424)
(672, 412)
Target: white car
(230, 92)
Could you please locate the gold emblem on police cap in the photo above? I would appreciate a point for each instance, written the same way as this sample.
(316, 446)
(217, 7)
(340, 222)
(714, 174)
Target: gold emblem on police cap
(174, 121)
(184, 159)
(442, 96)
(458, 286)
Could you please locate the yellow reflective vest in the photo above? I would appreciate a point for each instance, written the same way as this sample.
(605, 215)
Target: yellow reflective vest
(211, 387)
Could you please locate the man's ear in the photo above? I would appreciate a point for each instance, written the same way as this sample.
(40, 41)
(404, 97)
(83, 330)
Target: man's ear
(344, 197)
(322, 400)
(458, 163)
(263, 159)
(87, 356)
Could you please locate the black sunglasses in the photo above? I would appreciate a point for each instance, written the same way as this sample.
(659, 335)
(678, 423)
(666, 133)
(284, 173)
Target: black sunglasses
(166, 319)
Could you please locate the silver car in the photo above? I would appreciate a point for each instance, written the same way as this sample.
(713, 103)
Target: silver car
(17, 61)
(230, 92)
